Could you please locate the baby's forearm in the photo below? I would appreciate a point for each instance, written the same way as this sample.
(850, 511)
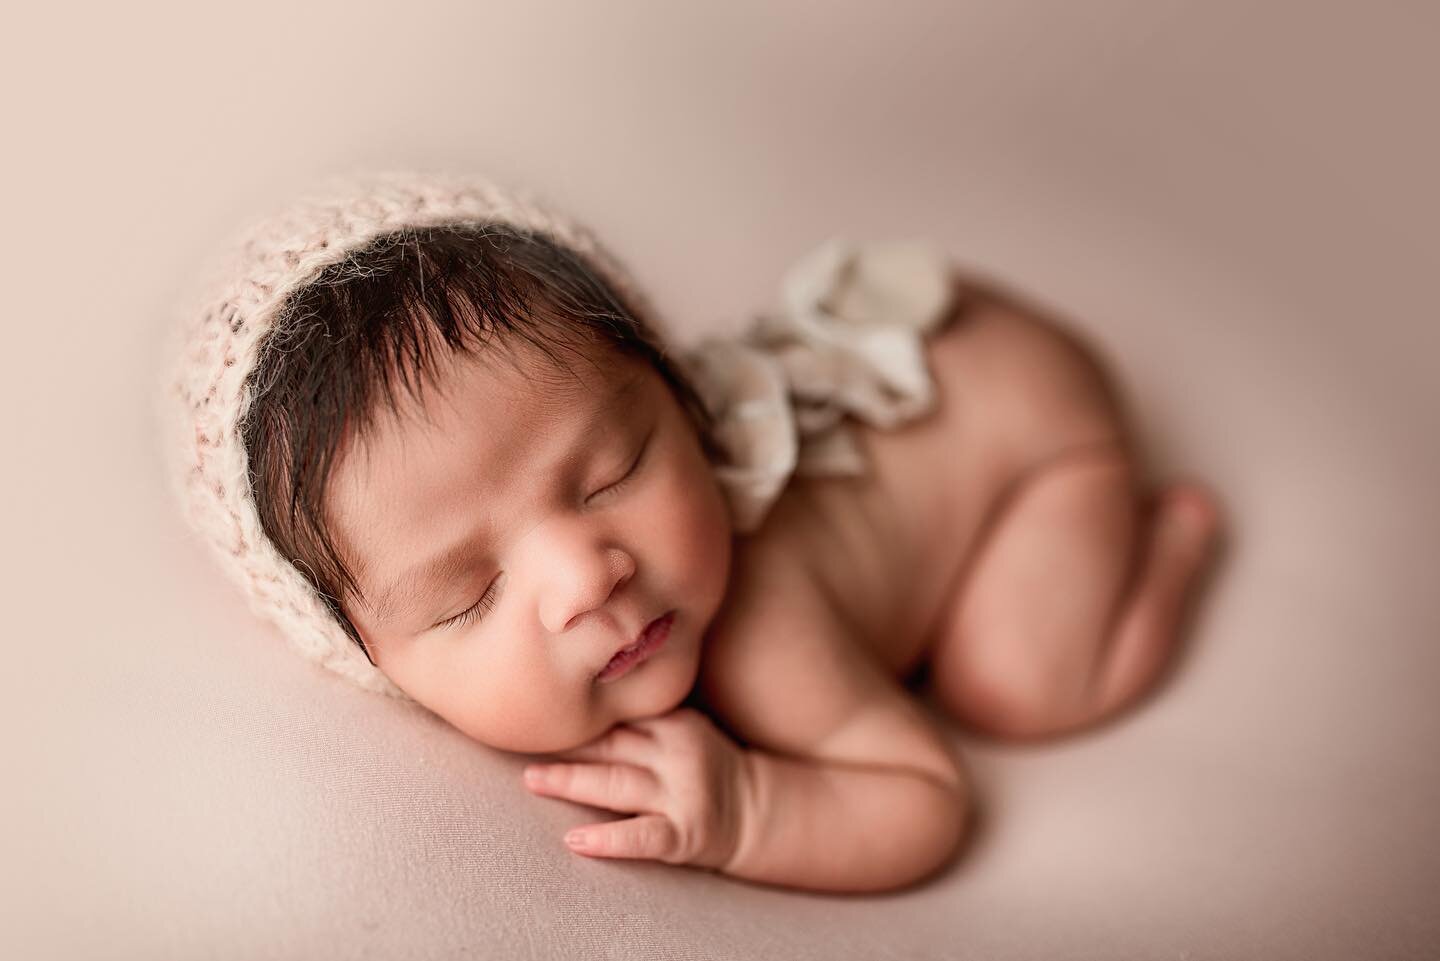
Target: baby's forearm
(835, 827)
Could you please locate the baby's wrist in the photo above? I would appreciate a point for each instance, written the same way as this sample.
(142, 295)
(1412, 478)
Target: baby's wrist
(749, 789)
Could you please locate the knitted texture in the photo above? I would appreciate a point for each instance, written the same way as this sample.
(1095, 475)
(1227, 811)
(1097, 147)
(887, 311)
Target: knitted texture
(222, 336)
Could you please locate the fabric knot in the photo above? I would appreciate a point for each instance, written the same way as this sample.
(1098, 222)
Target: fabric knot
(846, 339)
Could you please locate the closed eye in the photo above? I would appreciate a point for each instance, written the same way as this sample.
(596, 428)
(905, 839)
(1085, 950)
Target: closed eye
(630, 472)
(475, 611)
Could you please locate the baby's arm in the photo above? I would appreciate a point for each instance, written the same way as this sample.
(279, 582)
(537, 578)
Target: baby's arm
(845, 826)
(699, 798)
(850, 786)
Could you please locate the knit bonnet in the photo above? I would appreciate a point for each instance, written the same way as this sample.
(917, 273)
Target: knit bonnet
(844, 338)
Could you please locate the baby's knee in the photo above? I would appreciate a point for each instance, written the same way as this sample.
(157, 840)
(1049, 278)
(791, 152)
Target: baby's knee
(1018, 700)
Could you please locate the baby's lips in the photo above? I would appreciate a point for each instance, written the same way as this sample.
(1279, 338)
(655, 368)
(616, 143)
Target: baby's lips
(641, 650)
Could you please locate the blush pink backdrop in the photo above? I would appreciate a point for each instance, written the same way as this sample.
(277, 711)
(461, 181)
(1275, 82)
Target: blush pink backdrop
(1237, 201)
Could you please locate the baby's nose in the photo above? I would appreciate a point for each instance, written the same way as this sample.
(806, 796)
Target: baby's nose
(580, 581)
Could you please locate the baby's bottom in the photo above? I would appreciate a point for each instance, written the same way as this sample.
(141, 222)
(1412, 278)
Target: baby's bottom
(1072, 601)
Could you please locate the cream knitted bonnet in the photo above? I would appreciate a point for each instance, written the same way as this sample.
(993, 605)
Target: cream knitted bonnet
(844, 339)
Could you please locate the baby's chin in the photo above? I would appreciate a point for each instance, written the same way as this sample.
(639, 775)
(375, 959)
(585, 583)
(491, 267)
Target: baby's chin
(654, 690)
(661, 684)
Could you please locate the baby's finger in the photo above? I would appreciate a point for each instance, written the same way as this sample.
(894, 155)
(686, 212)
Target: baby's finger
(618, 787)
(647, 836)
(622, 743)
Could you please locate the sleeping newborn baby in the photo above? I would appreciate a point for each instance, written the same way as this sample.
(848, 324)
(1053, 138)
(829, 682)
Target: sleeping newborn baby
(435, 432)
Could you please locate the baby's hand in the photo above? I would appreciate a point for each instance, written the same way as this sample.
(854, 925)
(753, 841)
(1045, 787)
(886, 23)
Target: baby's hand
(685, 779)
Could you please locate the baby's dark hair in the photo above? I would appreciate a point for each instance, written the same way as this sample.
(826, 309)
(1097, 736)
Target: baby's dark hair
(345, 344)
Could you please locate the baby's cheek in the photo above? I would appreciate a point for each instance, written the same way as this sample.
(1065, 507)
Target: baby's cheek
(708, 542)
(527, 715)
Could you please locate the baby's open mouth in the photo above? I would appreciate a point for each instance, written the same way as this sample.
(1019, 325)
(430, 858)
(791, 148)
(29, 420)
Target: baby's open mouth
(651, 640)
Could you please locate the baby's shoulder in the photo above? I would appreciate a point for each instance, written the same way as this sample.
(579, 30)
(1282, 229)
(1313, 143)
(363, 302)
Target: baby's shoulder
(785, 673)
(782, 668)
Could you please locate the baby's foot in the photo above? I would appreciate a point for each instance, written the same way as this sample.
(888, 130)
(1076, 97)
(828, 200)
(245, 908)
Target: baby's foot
(1187, 525)
(1183, 532)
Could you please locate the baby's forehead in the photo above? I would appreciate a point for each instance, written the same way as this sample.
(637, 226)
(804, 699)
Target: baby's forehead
(485, 430)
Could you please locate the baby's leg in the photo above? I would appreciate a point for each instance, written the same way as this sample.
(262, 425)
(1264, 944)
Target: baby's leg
(1074, 601)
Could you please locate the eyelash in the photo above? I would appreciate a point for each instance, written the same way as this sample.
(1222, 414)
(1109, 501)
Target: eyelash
(487, 600)
(629, 474)
(475, 611)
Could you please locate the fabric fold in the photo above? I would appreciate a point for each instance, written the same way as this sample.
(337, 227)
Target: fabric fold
(845, 339)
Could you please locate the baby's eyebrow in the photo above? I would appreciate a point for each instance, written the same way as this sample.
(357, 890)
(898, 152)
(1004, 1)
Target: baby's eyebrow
(404, 594)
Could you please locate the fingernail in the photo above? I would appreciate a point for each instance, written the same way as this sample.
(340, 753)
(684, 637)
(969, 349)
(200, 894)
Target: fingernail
(577, 839)
(534, 775)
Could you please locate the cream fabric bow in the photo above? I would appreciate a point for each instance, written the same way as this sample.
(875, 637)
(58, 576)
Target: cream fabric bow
(846, 338)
